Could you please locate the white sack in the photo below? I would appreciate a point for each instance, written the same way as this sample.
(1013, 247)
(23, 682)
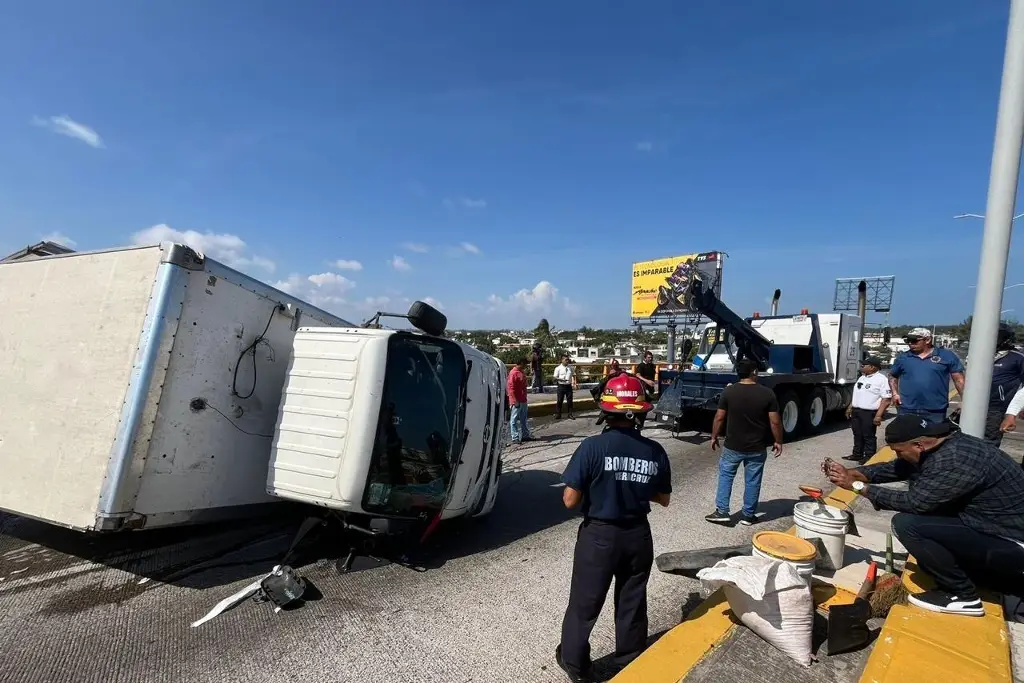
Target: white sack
(769, 598)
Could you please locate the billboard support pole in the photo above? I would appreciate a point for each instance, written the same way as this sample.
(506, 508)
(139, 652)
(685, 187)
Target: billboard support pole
(995, 241)
(671, 343)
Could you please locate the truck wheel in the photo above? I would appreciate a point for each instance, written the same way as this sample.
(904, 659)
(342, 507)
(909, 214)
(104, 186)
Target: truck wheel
(789, 411)
(812, 411)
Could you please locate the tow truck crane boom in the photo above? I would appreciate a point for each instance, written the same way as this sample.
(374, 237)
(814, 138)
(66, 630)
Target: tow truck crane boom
(749, 342)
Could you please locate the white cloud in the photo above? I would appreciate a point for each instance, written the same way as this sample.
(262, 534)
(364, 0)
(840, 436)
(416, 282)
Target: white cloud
(466, 203)
(225, 247)
(415, 247)
(292, 285)
(323, 290)
(462, 249)
(399, 263)
(644, 146)
(342, 264)
(542, 298)
(65, 125)
(59, 238)
(331, 281)
(376, 302)
(433, 302)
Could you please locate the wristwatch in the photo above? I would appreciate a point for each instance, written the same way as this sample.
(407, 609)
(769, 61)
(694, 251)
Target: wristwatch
(858, 487)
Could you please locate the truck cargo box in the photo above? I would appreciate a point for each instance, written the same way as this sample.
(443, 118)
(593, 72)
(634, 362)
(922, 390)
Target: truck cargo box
(141, 386)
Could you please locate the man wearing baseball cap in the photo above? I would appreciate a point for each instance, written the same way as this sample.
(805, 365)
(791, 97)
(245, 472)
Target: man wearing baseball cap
(919, 378)
(962, 517)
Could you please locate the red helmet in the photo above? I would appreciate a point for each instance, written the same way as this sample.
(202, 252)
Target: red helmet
(624, 394)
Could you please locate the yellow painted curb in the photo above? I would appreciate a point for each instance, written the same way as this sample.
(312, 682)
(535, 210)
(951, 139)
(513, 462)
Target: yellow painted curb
(673, 655)
(671, 658)
(918, 646)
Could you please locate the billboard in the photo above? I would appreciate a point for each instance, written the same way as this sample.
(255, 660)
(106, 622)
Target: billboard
(660, 286)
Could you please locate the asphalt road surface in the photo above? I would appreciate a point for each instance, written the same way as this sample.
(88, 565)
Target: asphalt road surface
(488, 607)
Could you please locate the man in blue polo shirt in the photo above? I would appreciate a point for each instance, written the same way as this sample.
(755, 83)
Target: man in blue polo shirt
(920, 377)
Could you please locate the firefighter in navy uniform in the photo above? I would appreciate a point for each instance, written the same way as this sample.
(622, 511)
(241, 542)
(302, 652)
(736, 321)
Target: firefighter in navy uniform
(614, 476)
(1007, 380)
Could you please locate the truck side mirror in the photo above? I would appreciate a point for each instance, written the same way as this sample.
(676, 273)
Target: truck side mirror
(425, 317)
(687, 347)
(886, 334)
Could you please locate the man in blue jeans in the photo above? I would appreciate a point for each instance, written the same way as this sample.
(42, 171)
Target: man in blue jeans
(750, 414)
(919, 378)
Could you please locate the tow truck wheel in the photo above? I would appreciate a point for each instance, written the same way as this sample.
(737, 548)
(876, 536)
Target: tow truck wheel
(812, 411)
(789, 409)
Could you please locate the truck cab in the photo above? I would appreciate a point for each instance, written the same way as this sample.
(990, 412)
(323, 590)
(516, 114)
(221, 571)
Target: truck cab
(389, 426)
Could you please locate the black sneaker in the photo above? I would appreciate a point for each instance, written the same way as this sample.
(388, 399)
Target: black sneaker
(854, 458)
(947, 603)
(750, 520)
(574, 677)
(717, 517)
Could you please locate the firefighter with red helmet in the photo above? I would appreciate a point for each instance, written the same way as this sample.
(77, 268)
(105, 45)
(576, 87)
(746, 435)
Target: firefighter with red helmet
(613, 476)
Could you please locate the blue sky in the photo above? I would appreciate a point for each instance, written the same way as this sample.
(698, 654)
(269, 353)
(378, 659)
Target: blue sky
(512, 160)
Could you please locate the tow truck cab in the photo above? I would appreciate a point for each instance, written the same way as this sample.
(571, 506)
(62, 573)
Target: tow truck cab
(389, 426)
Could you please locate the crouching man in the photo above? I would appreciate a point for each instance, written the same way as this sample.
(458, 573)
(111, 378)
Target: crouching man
(962, 517)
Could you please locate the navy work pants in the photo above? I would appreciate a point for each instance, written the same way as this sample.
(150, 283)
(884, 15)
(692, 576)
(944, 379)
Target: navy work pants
(865, 434)
(606, 552)
(993, 421)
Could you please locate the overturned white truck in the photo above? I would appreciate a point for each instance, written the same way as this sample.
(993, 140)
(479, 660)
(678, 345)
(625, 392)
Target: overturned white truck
(152, 386)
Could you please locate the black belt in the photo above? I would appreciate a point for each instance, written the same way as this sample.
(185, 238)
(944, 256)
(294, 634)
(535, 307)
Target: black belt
(627, 523)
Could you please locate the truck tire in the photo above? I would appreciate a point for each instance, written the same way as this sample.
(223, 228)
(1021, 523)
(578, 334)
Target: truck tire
(789, 411)
(812, 411)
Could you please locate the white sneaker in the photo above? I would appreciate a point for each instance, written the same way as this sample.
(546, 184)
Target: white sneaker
(947, 603)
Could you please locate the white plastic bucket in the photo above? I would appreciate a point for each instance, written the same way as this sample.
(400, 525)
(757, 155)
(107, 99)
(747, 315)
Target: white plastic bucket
(804, 569)
(826, 526)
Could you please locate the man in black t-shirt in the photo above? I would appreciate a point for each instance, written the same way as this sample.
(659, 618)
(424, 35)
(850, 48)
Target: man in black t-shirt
(753, 424)
(647, 372)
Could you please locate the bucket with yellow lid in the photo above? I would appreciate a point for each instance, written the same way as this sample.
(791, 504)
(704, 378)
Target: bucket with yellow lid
(776, 545)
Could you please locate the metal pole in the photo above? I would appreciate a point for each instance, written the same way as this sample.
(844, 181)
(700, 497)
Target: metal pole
(995, 244)
(671, 343)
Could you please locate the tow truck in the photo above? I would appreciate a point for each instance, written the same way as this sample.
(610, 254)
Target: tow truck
(810, 360)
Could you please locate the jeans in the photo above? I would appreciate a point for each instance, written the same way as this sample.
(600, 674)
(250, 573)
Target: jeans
(955, 555)
(753, 471)
(933, 416)
(518, 427)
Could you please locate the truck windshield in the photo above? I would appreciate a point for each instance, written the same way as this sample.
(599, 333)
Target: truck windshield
(707, 340)
(419, 433)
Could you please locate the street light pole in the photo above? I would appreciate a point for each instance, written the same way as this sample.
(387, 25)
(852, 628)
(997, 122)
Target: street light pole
(995, 243)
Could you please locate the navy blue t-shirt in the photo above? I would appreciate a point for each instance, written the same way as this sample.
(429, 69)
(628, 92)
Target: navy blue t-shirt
(924, 382)
(618, 472)
(1007, 377)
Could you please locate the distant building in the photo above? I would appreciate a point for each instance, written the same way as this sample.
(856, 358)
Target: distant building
(40, 250)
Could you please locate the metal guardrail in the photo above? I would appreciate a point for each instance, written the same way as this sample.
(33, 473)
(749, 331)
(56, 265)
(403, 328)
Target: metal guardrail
(592, 372)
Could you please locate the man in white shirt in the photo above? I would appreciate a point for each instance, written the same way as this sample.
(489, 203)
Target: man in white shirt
(565, 380)
(871, 398)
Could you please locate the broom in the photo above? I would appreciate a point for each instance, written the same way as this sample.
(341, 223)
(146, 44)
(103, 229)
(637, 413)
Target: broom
(889, 588)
